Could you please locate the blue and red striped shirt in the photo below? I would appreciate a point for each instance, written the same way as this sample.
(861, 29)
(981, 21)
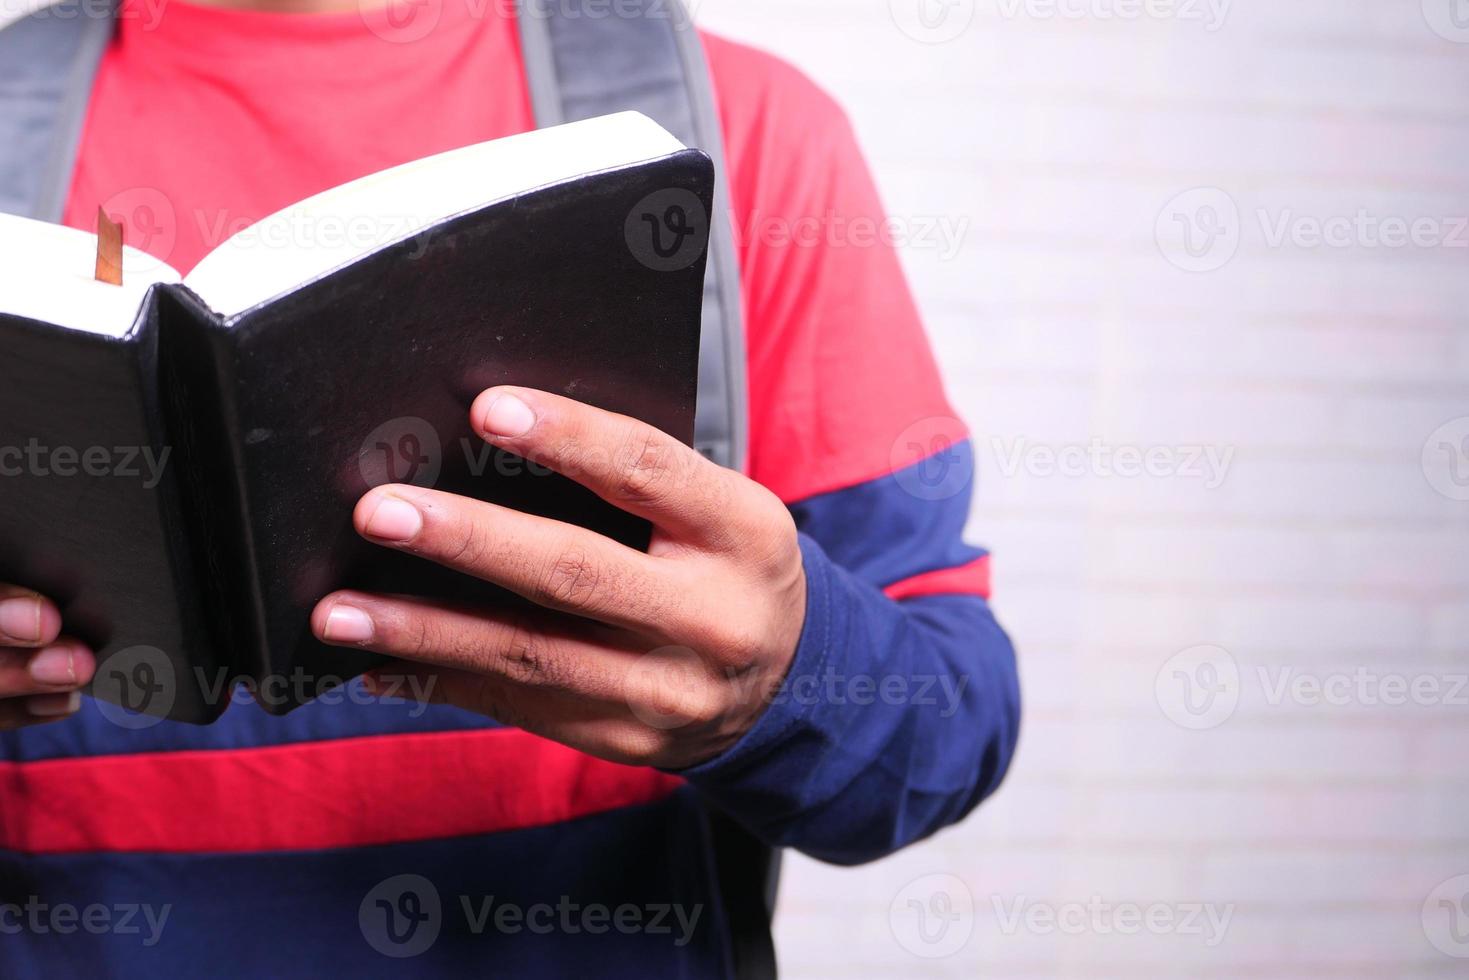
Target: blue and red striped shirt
(352, 833)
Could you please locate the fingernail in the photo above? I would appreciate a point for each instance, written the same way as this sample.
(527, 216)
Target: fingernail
(395, 520)
(54, 705)
(20, 618)
(347, 624)
(508, 417)
(54, 666)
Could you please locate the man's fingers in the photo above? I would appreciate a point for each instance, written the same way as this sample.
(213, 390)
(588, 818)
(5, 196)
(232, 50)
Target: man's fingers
(61, 666)
(628, 463)
(37, 709)
(27, 619)
(603, 728)
(549, 713)
(553, 564)
(507, 646)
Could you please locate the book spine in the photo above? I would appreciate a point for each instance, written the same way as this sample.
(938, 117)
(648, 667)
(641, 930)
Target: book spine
(201, 414)
(203, 656)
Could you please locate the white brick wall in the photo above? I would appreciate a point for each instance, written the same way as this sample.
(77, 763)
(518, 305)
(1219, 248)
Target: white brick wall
(1324, 550)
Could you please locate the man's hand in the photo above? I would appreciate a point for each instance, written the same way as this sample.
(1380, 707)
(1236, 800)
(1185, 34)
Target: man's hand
(664, 658)
(40, 671)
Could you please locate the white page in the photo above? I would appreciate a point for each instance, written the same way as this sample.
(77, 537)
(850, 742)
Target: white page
(46, 274)
(304, 242)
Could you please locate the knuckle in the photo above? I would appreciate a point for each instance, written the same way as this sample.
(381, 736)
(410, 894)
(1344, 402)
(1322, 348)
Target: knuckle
(773, 528)
(732, 639)
(647, 468)
(702, 708)
(523, 658)
(572, 579)
(640, 746)
(743, 645)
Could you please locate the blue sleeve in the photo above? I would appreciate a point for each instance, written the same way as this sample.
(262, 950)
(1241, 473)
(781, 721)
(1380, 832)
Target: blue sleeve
(897, 716)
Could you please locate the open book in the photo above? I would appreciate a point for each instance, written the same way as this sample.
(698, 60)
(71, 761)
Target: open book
(179, 456)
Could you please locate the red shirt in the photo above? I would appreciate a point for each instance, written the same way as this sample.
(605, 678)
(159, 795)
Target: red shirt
(205, 120)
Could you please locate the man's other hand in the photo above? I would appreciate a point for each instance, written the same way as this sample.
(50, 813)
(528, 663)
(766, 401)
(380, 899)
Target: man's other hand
(41, 672)
(664, 658)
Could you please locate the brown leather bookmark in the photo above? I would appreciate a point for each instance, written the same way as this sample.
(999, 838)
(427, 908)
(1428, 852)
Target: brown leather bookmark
(109, 249)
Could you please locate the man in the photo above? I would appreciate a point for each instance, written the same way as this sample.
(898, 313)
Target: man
(842, 687)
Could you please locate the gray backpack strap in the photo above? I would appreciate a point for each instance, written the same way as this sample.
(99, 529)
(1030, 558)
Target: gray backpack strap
(579, 64)
(647, 56)
(48, 61)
